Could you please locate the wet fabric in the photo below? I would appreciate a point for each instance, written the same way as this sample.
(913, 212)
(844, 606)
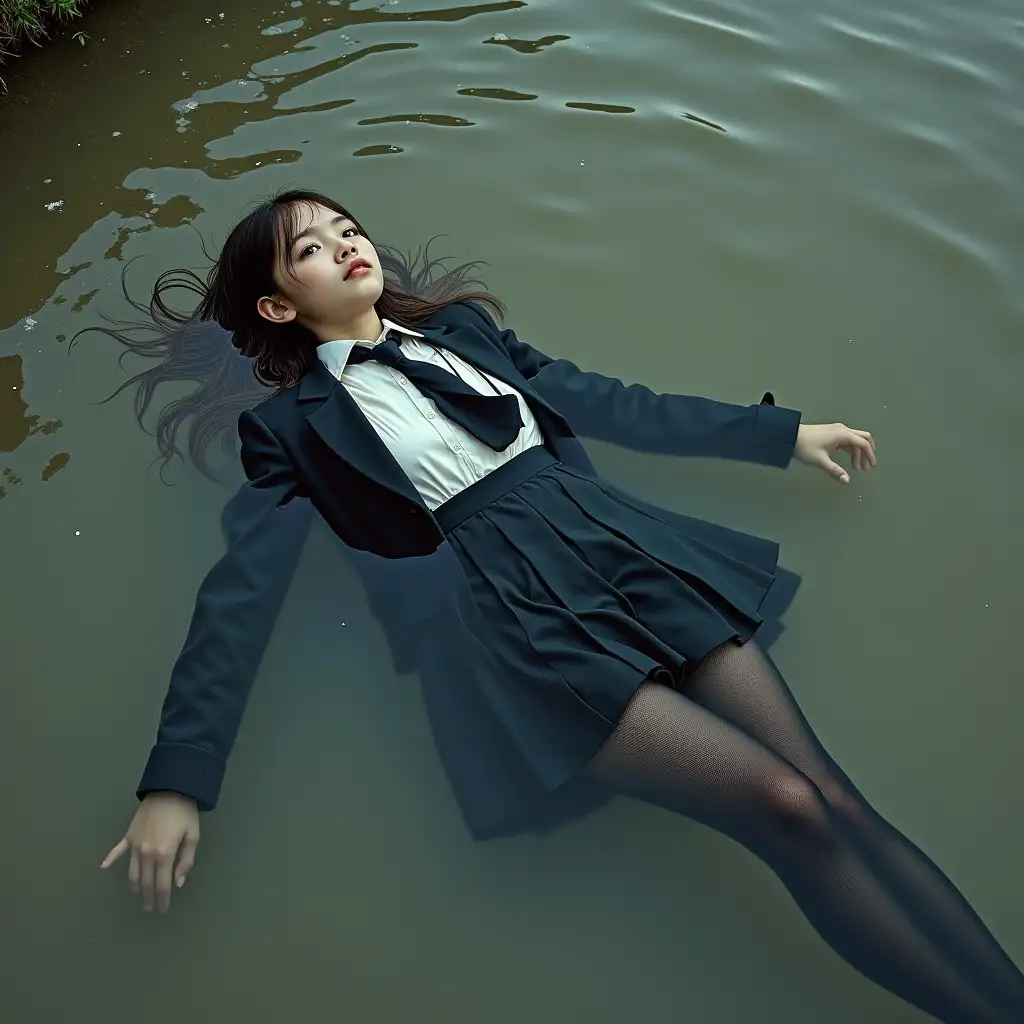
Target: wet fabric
(734, 752)
(575, 596)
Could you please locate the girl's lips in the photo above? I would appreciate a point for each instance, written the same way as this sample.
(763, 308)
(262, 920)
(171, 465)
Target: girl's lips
(357, 265)
(357, 272)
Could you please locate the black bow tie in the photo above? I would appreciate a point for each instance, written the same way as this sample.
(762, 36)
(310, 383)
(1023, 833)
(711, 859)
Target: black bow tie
(493, 419)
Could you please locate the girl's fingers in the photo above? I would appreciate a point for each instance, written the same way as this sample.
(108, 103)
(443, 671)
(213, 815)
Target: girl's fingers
(148, 880)
(163, 874)
(134, 871)
(834, 470)
(866, 435)
(862, 455)
(115, 854)
(867, 452)
(186, 858)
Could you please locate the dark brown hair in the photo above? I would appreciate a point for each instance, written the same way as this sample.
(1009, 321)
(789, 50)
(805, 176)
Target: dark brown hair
(235, 357)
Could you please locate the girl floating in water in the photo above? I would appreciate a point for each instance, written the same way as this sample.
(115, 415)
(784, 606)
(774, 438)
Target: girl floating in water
(565, 632)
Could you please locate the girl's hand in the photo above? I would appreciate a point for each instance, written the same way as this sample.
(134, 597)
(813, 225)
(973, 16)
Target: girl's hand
(165, 826)
(814, 442)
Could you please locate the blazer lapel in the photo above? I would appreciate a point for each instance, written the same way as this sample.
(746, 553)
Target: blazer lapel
(336, 417)
(469, 344)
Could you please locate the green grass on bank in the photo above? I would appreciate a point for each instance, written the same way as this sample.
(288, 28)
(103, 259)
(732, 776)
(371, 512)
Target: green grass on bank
(31, 21)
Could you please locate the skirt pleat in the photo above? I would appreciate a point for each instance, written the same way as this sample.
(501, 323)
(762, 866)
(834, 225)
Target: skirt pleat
(583, 593)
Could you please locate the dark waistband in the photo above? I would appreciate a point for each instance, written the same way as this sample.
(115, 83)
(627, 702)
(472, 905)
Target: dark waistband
(493, 486)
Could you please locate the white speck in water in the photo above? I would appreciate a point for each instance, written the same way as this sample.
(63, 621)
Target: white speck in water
(500, 36)
(581, 163)
(151, 196)
(30, 323)
(47, 181)
(189, 105)
(78, 533)
(115, 134)
(344, 623)
(220, 15)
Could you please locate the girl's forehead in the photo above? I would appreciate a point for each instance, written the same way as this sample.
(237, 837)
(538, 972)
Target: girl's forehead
(308, 215)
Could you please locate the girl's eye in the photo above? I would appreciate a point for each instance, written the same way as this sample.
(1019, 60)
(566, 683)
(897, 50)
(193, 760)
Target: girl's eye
(304, 252)
(347, 230)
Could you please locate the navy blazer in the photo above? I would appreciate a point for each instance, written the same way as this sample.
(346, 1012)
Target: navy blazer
(313, 442)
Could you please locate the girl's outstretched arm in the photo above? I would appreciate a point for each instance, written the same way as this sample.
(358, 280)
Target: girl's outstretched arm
(265, 525)
(634, 416)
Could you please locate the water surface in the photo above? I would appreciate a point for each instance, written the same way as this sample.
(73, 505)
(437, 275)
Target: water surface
(714, 197)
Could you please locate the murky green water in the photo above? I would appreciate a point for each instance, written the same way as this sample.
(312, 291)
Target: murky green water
(711, 196)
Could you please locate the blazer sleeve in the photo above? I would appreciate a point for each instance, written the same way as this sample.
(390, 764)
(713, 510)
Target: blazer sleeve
(636, 417)
(265, 526)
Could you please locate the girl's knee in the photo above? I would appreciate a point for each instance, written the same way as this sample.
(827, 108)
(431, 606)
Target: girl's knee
(800, 808)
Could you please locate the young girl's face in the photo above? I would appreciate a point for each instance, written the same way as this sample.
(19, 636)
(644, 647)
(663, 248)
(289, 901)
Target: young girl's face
(328, 277)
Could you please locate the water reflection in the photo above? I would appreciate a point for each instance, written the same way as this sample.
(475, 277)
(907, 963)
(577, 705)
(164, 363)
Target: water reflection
(17, 425)
(498, 94)
(525, 45)
(139, 203)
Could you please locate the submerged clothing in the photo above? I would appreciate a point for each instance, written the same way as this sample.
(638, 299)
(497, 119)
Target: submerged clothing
(533, 602)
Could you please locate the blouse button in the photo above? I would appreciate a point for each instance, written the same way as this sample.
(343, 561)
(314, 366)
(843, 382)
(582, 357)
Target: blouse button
(457, 448)
(430, 415)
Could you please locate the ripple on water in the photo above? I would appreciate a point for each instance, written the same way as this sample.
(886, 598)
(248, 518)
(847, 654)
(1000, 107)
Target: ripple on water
(718, 36)
(439, 120)
(940, 247)
(857, 36)
(925, 143)
(808, 91)
(524, 45)
(600, 108)
(232, 167)
(941, 65)
(497, 94)
(383, 150)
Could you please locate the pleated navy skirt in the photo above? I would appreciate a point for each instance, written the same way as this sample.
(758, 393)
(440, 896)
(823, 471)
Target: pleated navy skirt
(584, 593)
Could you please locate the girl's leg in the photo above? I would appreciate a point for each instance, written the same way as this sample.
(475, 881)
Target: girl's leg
(742, 685)
(669, 751)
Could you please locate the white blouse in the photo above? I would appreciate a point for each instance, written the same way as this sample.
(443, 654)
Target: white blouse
(439, 457)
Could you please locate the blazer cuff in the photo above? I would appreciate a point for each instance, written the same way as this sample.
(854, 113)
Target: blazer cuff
(184, 769)
(775, 431)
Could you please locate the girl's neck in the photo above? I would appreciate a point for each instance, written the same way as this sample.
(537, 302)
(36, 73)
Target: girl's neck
(366, 327)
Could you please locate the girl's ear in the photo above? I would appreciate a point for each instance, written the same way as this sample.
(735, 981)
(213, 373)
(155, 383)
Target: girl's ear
(275, 310)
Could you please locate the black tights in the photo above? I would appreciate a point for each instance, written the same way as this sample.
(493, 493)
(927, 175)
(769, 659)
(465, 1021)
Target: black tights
(736, 754)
